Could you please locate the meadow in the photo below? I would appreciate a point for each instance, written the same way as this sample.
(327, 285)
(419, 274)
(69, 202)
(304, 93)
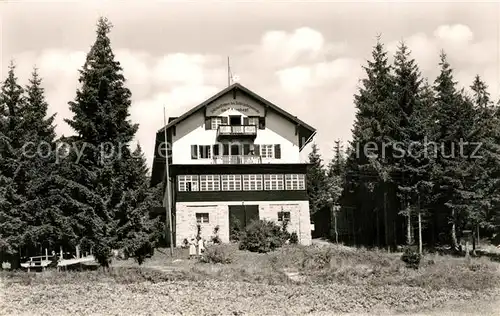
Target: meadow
(293, 280)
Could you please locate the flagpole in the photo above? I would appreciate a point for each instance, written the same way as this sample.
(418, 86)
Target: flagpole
(167, 192)
(228, 72)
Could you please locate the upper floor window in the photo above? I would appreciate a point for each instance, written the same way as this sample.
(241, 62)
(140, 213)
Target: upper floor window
(295, 182)
(270, 151)
(201, 151)
(252, 182)
(231, 182)
(251, 120)
(215, 122)
(187, 182)
(205, 151)
(273, 182)
(266, 151)
(209, 182)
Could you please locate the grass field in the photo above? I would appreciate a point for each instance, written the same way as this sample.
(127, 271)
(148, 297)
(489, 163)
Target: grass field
(294, 280)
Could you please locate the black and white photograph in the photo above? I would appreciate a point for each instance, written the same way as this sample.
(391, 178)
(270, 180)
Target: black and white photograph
(249, 157)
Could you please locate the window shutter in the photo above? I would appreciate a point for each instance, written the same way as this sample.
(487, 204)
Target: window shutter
(245, 121)
(207, 151)
(277, 151)
(256, 149)
(194, 151)
(225, 148)
(208, 123)
(224, 120)
(216, 149)
(262, 123)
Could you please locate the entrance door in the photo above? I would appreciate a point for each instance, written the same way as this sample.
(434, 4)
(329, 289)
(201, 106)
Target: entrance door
(240, 216)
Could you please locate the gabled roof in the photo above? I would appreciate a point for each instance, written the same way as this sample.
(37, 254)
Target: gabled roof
(238, 86)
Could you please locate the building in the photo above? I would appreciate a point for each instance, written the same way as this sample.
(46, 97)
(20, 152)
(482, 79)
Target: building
(234, 158)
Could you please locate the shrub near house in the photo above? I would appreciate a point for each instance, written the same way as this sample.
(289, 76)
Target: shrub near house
(264, 236)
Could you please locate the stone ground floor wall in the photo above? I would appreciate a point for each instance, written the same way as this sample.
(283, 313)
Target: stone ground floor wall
(186, 225)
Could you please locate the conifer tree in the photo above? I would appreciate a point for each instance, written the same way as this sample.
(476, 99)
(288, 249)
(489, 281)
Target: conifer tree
(137, 232)
(46, 224)
(413, 162)
(452, 172)
(316, 181)
(100, 119)
(12, 217)
(487, 158)
(335, 185)
(369, 167)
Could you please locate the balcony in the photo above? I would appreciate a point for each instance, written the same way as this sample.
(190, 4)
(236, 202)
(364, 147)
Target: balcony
(237, 160)
(238, 131)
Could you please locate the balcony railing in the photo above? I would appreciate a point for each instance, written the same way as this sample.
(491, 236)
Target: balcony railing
(237, 130)
(237, 160)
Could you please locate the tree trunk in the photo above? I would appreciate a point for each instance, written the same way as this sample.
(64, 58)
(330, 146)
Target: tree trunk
(408, 226)
(419, 228)
(454, 242)
(386, 224)
(378, 228)
(478, 238)
(336, 231)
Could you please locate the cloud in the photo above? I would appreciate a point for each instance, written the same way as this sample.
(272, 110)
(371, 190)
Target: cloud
(466, 55)
(174, 80)
(300, 70)
(457, 33)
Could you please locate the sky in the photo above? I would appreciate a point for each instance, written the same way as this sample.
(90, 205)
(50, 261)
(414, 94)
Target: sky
(305, 57)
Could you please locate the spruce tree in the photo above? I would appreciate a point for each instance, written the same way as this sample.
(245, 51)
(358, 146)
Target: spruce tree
(100, 119)
(487, 159)
(316, 181)
(46, 224)
(369, 167)
(138, 233)
(13, 221)
(413, 162)
(335, 185)
(454, 120)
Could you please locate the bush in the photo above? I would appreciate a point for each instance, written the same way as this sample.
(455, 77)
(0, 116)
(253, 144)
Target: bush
(218, 254)
(235, 230)
(411, 258)
(215, 238)
(263, 236)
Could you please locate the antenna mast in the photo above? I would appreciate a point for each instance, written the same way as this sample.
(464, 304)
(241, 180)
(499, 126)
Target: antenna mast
(229, 75)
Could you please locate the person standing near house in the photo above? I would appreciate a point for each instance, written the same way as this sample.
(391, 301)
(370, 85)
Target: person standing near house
(192, 248)
(201, 247)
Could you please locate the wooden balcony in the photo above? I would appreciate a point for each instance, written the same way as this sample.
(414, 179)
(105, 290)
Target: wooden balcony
(237, 160)
(237, 131)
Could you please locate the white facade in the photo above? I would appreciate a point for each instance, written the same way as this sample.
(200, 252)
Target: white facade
(234, 155)
(278, 130)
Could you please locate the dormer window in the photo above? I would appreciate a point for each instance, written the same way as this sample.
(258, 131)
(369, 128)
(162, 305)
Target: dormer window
(216, 121)
(253, 121)
(235, 120)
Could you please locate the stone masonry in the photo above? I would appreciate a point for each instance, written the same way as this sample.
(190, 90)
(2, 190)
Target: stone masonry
(219, 216)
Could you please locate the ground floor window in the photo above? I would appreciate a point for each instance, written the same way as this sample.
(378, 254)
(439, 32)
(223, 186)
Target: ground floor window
(295, 182)
(202, 218)
(283, 216)
(188, 182)
(273, 182)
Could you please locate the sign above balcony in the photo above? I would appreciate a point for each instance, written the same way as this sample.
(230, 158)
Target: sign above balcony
(244, 105)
